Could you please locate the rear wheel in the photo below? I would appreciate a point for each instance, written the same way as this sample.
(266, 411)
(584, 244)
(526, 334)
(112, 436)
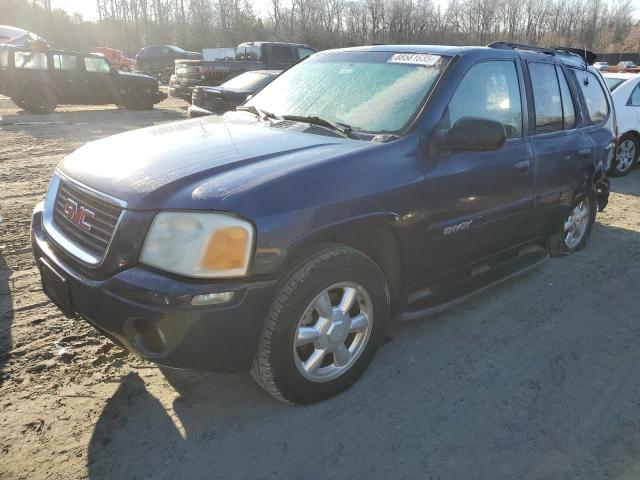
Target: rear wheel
(575, 230)
(39, 98)
(626, 155)
(324, 326)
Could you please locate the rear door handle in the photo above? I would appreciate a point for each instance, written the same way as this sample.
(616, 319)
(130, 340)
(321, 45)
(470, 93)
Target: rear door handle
(521, 166)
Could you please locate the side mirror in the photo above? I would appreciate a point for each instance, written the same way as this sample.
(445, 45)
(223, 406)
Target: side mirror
(474, 134)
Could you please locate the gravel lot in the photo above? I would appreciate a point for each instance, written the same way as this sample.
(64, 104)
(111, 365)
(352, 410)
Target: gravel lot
(535, 379)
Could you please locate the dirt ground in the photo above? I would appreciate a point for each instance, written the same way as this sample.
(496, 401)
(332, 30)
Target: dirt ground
(535, 379)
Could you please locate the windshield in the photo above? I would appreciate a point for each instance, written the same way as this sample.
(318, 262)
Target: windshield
(248, 81)
(176, 49)
(375, 92)
(613, 83)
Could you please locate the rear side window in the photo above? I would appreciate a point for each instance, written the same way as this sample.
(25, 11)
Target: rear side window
(634, 99)
(568, 107)
(281, 54)
(546, 97)
(490, 90)
(31, 60)
(65, 62)
(93, 64)
(594, 96)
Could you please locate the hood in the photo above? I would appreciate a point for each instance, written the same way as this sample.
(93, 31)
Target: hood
(147, 167)
(128, 76)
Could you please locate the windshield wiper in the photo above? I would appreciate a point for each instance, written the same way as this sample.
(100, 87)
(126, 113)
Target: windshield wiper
(346, 131)
(261, 114)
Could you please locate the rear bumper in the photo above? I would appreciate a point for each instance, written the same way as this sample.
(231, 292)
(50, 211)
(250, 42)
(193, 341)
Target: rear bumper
(138, 302)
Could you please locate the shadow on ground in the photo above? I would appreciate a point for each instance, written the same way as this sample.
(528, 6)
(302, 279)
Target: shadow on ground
(537, 378)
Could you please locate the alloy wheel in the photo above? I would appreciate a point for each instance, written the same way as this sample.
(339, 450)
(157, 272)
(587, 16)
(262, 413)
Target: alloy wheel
(625, 155)
(333, 332)
(576, 224)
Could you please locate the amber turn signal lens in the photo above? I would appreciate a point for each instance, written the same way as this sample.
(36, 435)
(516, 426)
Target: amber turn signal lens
(226, 250)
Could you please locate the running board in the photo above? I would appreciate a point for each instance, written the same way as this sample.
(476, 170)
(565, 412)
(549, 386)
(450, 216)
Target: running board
(459, 287)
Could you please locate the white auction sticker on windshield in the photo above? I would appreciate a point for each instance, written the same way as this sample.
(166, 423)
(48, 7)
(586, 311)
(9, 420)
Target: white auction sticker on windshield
(415, 59)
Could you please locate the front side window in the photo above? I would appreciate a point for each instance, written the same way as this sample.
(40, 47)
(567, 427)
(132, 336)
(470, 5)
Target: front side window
(568, 107)
(546, 97)
(65, 62)
(374, 92)
(634, 98)
(94, 64)
(31, 60)
(489, 90)
(594, 96)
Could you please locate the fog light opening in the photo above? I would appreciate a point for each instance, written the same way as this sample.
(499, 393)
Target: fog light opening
(148, 338)
(212, 298)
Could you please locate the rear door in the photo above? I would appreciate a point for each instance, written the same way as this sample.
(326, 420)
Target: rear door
(555, 140)
(479, 203)
(597, 133)
(68, 77)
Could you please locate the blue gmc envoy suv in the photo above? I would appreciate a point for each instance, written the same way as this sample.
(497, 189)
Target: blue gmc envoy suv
(362, 185)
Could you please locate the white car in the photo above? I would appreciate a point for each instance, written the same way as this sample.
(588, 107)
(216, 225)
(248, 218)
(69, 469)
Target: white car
(626, 101)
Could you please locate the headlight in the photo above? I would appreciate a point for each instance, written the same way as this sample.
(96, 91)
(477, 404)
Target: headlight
(199, 244)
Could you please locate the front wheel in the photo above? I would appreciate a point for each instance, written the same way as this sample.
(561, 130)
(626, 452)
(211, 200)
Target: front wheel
(324, 326)
(575, 229)
(626, 155)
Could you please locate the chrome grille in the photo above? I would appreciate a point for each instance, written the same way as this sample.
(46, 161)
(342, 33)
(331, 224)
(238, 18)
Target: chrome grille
(94, 240)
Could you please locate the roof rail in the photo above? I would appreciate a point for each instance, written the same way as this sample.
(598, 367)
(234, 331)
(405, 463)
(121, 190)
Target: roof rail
(521, 46)
(587, 56)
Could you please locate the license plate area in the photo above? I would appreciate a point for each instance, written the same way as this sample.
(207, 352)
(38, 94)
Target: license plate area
(56, 287)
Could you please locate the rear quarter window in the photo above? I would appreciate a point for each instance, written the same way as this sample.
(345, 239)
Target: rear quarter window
(31, 60)
(593, 94)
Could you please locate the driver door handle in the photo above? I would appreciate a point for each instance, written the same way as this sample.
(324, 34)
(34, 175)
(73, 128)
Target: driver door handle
(522, 166)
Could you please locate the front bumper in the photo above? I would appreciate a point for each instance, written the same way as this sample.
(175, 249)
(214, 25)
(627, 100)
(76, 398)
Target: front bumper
(133, 302)
(180, 91)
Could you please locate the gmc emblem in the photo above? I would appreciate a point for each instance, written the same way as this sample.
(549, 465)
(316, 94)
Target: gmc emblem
(78, 214)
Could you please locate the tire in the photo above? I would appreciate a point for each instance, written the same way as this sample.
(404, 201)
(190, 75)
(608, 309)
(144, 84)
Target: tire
(19, 103)
(279, 365)
(626, 155)
(138, 101)
(39, 98)
(563, 242)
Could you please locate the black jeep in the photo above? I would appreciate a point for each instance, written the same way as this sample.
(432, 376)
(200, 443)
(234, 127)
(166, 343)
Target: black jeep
(39, 79)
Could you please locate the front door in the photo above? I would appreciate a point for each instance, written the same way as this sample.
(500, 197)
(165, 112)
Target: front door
(101, 82)
(478, 203)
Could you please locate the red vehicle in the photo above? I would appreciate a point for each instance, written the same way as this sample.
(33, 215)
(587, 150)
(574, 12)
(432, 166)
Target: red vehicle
(116, 58)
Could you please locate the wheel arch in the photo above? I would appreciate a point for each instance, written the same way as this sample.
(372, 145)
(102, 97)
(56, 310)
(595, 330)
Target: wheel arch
(374, 235)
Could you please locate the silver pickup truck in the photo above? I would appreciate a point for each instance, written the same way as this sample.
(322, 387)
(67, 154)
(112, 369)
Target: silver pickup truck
(249, 56)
